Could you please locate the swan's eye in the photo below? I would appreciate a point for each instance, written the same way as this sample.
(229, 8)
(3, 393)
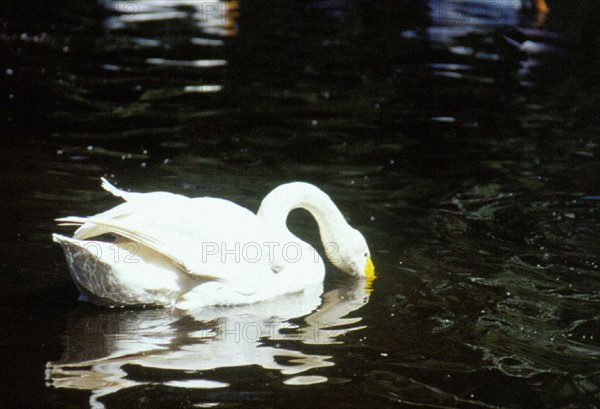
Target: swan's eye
(366, 254)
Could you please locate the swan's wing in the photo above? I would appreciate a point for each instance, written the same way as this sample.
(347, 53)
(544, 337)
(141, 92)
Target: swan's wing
(184, 230)
(139, 208)
(140, 203)
(126, 227)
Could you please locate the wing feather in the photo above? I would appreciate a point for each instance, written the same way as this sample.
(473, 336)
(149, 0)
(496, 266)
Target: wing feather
(177, 227)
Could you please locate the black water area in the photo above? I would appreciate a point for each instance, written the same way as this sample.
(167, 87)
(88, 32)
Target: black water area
(461, 138)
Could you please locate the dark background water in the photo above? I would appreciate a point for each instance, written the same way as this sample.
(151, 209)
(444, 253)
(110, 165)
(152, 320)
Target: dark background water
(471, 167)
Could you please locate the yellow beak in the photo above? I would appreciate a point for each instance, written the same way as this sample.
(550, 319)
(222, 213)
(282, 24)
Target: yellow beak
(369, 273)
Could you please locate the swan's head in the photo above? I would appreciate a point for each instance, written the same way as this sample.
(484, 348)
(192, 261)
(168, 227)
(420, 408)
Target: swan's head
(353, 256)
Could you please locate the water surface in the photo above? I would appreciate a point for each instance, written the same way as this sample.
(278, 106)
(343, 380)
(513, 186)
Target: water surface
(470, 165)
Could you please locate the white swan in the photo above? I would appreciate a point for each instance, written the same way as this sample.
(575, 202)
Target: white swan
(172, 250)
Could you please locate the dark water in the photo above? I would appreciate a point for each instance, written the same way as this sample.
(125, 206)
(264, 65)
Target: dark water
(471, 167)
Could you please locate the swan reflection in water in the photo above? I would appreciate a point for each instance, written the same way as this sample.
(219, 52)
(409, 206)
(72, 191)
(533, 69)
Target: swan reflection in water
(97, 347)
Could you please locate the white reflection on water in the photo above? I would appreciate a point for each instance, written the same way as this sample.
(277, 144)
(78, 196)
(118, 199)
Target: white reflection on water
(207, 21)
(215, 17)
(455, 23)
(268, 334)
(192, 63)
(474, 13)
(203, 88)
(454, 19)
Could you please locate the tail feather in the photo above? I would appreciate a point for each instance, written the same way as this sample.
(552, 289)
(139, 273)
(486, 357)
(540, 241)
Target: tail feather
(87, 227)
(115, 191)
(59, 238)
(71, 221)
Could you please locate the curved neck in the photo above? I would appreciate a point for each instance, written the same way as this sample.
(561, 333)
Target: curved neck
(276, 206)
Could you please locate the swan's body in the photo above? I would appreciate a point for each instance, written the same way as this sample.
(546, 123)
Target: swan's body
(191, 252)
